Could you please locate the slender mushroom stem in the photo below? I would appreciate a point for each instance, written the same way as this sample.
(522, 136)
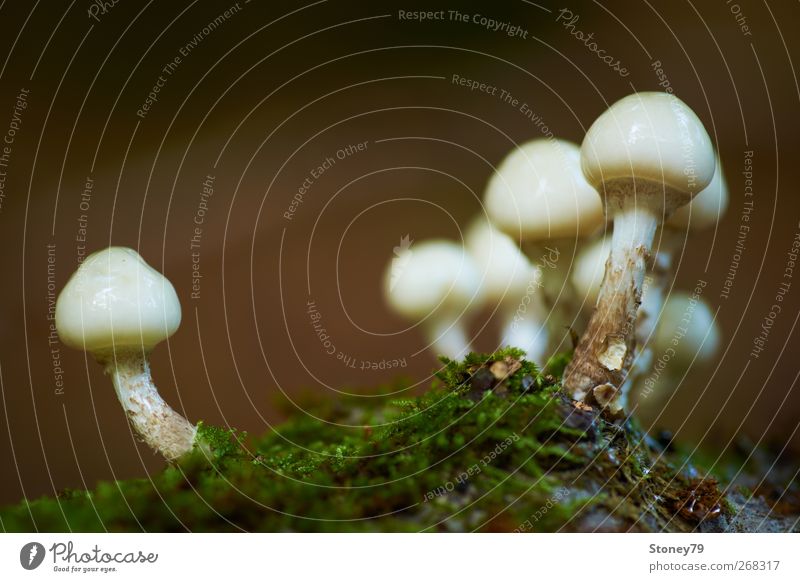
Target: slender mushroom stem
(646, 323)
(554, 257)
(163, 429)
(653, 300)
(525, 320)
(607, 348)
(448, 338)
(513, 285)
(529, 333)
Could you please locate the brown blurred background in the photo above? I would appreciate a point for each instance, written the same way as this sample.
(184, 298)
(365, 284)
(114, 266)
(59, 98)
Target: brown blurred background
(264, 97)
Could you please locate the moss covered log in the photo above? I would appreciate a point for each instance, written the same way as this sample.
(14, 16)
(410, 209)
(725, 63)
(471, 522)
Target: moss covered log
(494, 445)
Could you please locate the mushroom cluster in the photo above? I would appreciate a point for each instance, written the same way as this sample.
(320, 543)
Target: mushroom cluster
(595, 226)
(118, 308)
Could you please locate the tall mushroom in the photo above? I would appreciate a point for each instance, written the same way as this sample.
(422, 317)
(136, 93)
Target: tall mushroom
(703, 211)
(512, 284)
(648, 155)
(435, 285)
(538, 195)
(118, 308)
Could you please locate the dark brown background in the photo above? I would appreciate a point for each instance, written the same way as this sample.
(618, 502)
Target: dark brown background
(274, 100)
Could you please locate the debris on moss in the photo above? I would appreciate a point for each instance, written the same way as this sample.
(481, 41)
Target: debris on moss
(494, 445)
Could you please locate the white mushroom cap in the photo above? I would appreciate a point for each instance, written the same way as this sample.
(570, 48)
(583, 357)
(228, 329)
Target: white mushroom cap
(539, 193)
(116, 299)
(436, 275)
(706, 208)
(506, 271)
(649, 137)
(684, 313)
(590, 266)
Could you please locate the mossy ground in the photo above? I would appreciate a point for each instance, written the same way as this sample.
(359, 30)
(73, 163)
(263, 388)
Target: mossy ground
(493, 446)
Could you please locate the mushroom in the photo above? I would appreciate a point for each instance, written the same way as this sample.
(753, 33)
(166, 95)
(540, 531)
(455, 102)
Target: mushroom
(703, 211)
(512, 284)
(687, 330)
(687, 334)
(648, 154)
(538, 195)
(118, 308)
(434, 284)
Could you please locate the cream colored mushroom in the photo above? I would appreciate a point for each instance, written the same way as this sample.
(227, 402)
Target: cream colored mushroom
(539, 196)
(118, 308)
(436, 284)
(705, 209)
(687, 335)
(648, 155)
(701, 213)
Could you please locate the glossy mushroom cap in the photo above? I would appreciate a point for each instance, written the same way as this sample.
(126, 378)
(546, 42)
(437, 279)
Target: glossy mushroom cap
(589, 268)
(115, 299)
(653, 141)
(706, 208)
(505, 271)
(538, 192)
(434, 275)
(682, 313)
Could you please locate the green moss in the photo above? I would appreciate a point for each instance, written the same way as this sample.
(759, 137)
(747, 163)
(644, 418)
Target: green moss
(494, 445)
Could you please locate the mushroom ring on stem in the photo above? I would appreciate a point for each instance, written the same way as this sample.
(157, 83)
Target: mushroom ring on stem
(647, 155)
(118, 308)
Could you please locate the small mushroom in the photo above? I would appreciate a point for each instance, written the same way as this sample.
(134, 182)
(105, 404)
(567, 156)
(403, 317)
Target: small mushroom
(687, 330)
(687, 335)
(701, 213)
(512, 284)
(539, 196)
(435, 286)
(118, 308)
(705, 209)
(648, 155)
